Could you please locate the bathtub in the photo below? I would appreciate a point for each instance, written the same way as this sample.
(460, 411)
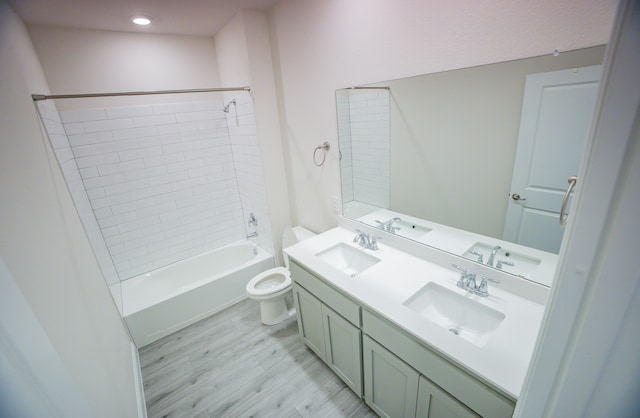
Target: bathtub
(160, 302)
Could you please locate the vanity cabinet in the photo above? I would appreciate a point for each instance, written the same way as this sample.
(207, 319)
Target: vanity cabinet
(390, 385)
(434, 402)
(336, 340)
(400, 374)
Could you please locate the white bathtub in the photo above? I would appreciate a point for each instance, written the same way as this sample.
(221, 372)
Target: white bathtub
(170, 298)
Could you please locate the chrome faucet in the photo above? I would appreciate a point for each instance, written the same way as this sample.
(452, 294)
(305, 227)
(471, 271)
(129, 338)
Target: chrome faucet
(493, 255)
(365, 240)
(388, 225)
(468, 282)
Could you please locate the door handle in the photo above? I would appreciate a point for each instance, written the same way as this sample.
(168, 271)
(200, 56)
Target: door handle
(572, 182)
(517, 197)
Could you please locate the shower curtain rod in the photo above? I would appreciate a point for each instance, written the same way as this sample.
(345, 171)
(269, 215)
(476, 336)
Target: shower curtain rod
(368, 88)
(39, 97)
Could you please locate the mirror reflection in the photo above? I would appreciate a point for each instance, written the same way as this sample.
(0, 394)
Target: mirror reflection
(482, 153)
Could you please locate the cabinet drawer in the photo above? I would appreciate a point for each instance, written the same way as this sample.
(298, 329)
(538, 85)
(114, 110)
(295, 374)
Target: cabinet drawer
(346, 307)
(476, 395)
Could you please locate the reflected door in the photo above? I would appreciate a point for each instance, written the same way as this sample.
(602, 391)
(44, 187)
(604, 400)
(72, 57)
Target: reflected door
(556, 116)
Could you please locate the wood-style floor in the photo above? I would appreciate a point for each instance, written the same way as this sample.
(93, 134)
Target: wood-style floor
(230, 365)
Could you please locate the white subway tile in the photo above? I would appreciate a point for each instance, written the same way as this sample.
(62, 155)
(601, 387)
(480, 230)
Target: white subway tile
(115, 168)
(129, 112)
(115, 146)
(73, 128)
(163, 159)
(82, 115)
(164, 108)
(109, 201)
(195, 116)
(95, 160)
(140, 153)
(82, 151)
(90, 138)
(150, 191)
(143, 241)
(59, 140)
(128, 205)
(159, 140)
(146, 173)
(126, 187)
(102, 213)
(137, 133)
(139, 224)
(92, 182)
(107, 125)
(178, 128)
(154, 120)
(96, 193)
(168, 178)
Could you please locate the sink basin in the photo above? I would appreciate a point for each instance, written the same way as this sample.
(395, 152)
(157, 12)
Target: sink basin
(347, 258)
(505, 259)
(410, 230)
(459, 314)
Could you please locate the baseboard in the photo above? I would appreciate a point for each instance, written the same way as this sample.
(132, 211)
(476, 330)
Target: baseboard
(137, 377)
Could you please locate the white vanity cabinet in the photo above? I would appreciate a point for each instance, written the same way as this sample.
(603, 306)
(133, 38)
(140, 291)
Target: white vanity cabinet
(336, 340)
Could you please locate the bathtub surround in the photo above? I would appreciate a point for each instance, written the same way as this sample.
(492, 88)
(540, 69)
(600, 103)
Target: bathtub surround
(166, 181)
(60, 143)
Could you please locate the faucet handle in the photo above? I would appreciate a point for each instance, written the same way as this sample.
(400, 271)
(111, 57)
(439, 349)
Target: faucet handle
(373, 242)
(483, 289)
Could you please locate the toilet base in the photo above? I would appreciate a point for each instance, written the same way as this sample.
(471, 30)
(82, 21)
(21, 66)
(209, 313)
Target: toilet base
(274, 311)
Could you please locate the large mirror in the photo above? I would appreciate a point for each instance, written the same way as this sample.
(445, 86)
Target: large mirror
(454, 155)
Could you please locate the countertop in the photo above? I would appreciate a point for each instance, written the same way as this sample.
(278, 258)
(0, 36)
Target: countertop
(383, 288)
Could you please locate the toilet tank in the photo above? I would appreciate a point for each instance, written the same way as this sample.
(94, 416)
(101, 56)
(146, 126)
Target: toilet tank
(292, 236)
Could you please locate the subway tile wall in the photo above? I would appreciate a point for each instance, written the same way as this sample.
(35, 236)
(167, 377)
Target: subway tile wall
(370, 145)
(248, 166)
(344, 135)
(64, 155)
(162, 181)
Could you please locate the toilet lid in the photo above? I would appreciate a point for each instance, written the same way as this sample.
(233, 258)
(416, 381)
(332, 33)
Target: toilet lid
(270, 281)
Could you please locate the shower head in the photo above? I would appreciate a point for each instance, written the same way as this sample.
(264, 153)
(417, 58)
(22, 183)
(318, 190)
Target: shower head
(226, 108)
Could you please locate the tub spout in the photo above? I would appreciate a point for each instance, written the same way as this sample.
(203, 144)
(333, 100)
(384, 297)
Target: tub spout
(252, 235)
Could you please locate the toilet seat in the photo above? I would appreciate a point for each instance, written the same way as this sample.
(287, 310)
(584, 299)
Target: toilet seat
(269, 283)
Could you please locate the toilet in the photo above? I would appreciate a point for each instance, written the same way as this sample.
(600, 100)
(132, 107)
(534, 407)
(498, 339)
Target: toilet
(270, 287)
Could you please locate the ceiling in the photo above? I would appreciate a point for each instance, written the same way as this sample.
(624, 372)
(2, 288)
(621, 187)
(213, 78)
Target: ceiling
(184, 17)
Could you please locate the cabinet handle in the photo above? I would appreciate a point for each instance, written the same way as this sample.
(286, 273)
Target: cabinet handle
(572, 182)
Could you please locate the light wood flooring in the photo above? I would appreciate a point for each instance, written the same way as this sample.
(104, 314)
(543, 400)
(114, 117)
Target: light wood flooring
(230, 365)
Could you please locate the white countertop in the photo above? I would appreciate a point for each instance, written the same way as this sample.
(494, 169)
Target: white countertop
(504, 359)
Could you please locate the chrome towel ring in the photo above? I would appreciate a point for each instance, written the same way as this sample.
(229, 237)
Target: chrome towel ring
(325, 147)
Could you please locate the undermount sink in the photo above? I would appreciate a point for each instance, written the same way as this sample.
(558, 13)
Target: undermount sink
(347, 258)
(410, 230)
(504, 259)
(459, 314)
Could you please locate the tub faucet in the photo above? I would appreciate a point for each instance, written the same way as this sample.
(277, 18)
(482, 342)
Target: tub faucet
(252, 235)
(493, 255)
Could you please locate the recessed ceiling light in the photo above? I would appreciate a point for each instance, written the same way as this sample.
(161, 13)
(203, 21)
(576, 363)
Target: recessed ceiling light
(141, 20)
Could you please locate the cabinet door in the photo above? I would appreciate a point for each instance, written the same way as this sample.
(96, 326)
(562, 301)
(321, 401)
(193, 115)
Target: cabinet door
(390, 385)
(343, 349)
(434, 402)
(310, 326)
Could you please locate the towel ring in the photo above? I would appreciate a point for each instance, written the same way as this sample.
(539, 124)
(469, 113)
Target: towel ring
(325, 146)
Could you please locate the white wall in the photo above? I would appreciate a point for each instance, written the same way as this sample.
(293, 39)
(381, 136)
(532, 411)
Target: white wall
(44, 245)
(90, 61)
(323, 45)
